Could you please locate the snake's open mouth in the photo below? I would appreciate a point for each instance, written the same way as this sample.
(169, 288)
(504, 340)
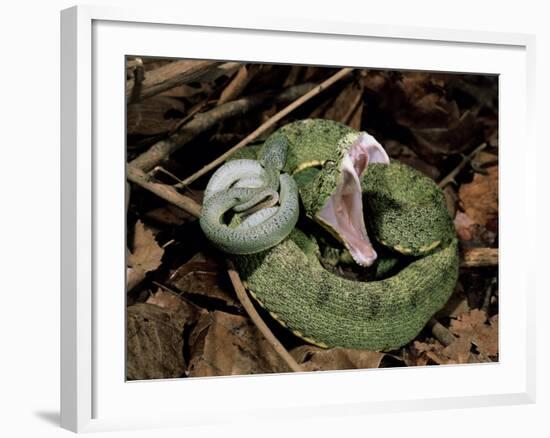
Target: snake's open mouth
(343, 212)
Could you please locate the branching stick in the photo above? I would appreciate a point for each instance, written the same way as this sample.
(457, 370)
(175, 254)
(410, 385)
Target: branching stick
(202, 122)
(268, 124)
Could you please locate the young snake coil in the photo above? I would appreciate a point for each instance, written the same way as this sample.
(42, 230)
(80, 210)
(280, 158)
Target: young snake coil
(347, 185)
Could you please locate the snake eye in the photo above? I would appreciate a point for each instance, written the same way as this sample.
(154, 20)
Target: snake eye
(329, 164)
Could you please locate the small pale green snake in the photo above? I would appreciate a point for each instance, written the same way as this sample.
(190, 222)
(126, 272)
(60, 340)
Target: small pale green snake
(251, 186)
(347, 185)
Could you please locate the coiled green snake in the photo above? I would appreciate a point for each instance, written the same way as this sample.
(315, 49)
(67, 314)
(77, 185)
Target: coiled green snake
(346, 184)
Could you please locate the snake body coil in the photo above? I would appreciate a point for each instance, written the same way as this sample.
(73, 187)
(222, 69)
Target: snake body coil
(347, 185)
(251, 186)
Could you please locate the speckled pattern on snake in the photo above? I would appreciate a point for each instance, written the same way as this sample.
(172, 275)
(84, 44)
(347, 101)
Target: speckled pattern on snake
(391, 219)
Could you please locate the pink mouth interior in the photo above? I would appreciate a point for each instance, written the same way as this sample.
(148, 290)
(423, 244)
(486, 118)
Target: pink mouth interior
(343, 212)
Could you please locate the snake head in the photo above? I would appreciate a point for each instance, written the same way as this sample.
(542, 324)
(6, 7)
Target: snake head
(334, 199)
(274, 152)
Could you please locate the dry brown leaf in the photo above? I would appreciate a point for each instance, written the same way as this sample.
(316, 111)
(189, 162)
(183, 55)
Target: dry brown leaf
(419, 102)
(154, 342)
(204, 275)
(423, 102)
(147, 254)
(470, 328)
(430, 352)
(458, 352)
(455, 353)
(456, 135)
(482, 89)
(165, 299)
(424, 353)
(474, 327)
(223, 344)
(152, 116)
(171, 301)
(469, 231)
(317, 359)
(479, 198)
(465, 226)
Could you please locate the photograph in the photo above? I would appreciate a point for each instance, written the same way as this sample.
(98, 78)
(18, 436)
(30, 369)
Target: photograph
(294, 218)
(239, 219)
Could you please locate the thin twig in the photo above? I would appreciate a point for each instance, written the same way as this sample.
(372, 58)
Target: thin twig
(258, 321)
(189, 116)
(451, 176)
(202, 122)
(268, 124)
(168, 193)
(166, 172)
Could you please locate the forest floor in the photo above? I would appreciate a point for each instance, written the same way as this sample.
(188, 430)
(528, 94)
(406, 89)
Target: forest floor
(184, 318)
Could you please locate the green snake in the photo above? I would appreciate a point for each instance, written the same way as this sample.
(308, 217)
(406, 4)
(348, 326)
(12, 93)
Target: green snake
(345, 183)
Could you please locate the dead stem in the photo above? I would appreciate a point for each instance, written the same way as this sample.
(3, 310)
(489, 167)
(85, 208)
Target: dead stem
(257, 320)
(441, 333)
(168, 193)
(166, 172)
(452, 175)
(479, 257)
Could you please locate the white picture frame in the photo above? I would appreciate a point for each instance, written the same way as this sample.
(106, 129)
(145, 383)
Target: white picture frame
(94, 396)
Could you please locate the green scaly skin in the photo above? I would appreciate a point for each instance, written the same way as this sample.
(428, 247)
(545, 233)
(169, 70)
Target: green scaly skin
(264, 227)
(405, 211)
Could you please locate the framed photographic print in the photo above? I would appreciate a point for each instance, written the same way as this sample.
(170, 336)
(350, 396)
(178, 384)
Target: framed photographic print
(325, 210)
